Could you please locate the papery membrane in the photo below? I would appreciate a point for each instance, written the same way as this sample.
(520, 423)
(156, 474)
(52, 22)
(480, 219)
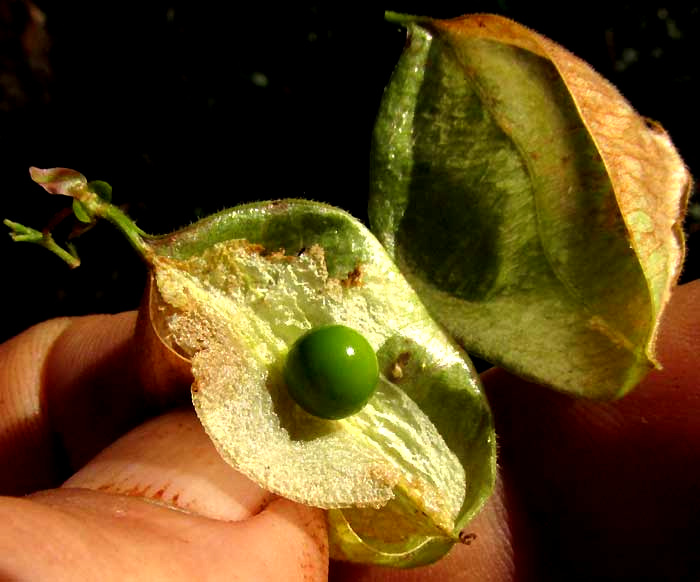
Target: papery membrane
(535, 213)
(235, 309)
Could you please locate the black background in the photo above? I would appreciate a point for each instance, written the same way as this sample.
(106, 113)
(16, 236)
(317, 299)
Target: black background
(190, 107)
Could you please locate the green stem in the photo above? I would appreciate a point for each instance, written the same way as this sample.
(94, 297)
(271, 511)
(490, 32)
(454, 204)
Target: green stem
(21, 233)
(88, 205)
(128, 227)
(72, 259)
(403, 19)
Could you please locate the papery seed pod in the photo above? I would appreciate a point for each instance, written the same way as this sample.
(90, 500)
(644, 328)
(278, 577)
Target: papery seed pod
(534, 211)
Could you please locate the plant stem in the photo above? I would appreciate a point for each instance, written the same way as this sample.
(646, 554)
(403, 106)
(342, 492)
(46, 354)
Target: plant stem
(128, 227)
(21, 233)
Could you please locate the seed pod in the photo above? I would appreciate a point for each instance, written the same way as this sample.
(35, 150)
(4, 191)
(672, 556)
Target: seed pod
(234, 292)
(535, 213)
(401, 475)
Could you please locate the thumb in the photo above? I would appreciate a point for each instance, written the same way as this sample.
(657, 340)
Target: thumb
(171, 461)
(160, 501)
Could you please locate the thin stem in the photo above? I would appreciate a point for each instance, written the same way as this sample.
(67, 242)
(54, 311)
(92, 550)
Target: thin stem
(21, 233)
(69, 257)
(87, 206)
(128, 227)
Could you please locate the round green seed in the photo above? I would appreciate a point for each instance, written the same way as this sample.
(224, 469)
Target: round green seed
(331, 371)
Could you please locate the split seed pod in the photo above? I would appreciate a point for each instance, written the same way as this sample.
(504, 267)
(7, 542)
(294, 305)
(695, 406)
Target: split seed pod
(231, 294)
(403, 475)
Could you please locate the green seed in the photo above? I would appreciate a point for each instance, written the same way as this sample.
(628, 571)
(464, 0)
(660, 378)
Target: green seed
(331, 372)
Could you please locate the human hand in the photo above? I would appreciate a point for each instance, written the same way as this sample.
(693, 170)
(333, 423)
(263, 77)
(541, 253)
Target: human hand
(587, 490)
(67, 389)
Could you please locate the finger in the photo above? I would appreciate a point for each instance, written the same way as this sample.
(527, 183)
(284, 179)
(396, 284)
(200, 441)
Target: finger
(25, 436)
(164, 507)
(84, 535)
(172, 461)
(69, 387)
(92, 393)
(615, 485)
(37, 370)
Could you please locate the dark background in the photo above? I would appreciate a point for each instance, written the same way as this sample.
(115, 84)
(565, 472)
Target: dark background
(190, 107)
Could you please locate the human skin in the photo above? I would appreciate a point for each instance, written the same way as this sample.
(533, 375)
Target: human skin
(586, 490)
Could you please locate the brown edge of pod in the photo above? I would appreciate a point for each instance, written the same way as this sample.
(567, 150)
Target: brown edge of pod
(165, 374)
